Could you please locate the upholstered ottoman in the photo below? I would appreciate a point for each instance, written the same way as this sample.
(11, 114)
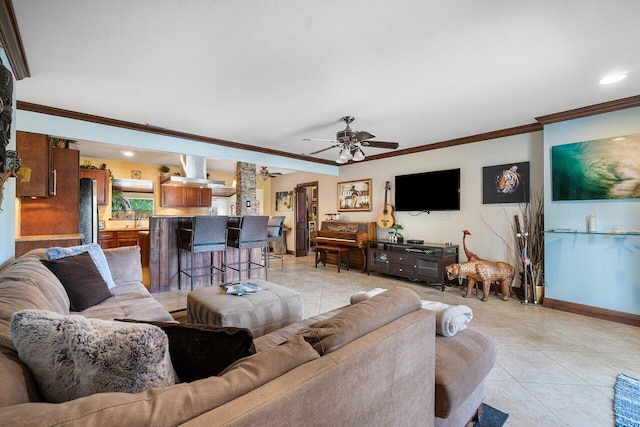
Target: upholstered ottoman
(266, 311)
(462, 363)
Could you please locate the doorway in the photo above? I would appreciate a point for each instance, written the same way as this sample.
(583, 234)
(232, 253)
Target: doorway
(306, 215)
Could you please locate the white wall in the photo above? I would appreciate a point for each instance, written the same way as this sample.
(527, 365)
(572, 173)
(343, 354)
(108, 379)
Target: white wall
(481, 220)
(595, 270)
(7, 215)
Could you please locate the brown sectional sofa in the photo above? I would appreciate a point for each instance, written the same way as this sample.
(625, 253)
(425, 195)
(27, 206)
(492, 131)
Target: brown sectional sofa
(372, 371)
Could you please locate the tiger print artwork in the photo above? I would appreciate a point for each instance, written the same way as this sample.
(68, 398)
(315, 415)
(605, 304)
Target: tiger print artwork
(485, 272)
(508, 181)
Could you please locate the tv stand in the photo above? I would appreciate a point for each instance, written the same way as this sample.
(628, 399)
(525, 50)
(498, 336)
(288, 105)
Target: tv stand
(425, 262)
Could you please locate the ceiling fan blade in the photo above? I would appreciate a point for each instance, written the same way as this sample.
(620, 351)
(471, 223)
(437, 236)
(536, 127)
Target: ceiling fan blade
(320, 140)
(380, 144)
(362, 135)
(324, 149)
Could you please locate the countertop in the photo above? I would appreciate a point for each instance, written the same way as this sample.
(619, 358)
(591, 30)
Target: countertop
(145, 228)
(50, 237)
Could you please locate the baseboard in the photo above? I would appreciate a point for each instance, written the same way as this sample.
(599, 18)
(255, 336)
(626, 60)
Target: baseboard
(597, 312)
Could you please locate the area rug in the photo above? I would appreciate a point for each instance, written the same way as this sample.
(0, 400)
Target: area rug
(491, 417)
(626, 403)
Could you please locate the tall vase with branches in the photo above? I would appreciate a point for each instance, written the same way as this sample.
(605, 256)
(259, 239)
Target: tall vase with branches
(532, 223)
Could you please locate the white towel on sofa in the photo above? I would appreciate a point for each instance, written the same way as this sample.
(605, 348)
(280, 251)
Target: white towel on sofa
(450, 319)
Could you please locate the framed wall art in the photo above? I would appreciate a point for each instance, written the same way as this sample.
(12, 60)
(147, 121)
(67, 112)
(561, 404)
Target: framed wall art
(284, 200)
(607, 168)
(354, 196)
(508, 183)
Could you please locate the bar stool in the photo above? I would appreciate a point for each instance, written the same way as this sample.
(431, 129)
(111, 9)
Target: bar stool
(275, 234)
(207, 235)
(251, 233)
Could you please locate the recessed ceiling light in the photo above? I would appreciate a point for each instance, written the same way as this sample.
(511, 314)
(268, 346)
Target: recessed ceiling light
(128, 153)
(615, 77)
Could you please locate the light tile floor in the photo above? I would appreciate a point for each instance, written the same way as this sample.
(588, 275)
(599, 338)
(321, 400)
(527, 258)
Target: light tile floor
(553, 369)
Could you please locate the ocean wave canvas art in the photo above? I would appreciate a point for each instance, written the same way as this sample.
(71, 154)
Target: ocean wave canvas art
(607, 168)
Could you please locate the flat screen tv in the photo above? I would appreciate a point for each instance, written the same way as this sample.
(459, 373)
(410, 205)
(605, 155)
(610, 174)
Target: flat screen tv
(428, 191)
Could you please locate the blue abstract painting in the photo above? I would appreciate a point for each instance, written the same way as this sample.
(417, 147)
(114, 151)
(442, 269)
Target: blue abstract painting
(607, 168)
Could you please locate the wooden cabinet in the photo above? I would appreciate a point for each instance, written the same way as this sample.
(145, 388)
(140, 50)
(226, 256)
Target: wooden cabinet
(127, 238)
(35, 154)
(57, 214)
(102, 179)
(107, 239)
(116, 239)
(192, 197)
(424, 262)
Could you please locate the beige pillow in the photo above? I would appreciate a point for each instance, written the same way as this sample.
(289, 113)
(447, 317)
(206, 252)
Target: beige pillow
(359, 319)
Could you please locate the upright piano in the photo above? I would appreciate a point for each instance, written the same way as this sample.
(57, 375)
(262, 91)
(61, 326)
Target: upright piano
(352, 235)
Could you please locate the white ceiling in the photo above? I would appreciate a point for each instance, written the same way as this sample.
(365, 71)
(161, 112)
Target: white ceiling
(269, 73)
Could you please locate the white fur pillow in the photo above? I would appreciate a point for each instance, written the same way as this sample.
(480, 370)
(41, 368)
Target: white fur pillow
(72, 356)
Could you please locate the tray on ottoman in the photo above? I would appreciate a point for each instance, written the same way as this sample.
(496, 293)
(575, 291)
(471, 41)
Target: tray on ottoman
(266, 311)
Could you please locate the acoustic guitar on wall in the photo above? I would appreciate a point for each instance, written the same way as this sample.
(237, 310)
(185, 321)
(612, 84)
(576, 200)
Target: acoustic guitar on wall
(385, 220)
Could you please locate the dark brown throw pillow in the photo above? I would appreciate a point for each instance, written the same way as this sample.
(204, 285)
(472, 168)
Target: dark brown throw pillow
(81, 279)
(201, 351)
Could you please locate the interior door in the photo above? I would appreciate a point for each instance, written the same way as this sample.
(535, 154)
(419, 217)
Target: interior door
(302, 236)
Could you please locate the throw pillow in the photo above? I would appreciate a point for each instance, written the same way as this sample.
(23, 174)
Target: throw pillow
(72, 356)
(81, 279)
(201, 351)
(97, 256)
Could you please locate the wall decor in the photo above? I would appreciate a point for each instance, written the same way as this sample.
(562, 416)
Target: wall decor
(508, 183)
(9, 159)
(607, 168)
(284, 200)
(354, 196)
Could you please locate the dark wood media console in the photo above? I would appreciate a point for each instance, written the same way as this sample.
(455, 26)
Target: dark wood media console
(424, 262)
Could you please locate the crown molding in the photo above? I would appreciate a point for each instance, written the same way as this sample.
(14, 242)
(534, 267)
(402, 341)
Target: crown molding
(12, 42)
(532, 127)
(52, 111)
(591, 110)
(605, 107)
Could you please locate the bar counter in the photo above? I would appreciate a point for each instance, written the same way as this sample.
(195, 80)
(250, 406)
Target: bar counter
(164, 253)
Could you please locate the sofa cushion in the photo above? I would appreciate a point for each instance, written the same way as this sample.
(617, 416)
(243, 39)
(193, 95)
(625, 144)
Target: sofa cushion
(462, 363)
(94, 250)
(125, 264)
(16, 295)
(201, 351)
(72, 356)
(29, 271)
(81, 279)
(358, 320)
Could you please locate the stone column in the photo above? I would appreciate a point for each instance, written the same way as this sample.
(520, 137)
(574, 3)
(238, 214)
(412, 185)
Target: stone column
(246, 189)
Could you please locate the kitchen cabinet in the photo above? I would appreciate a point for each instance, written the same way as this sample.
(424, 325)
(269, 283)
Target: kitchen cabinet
(116, 239)
(59, 213)
(102, 180)
(425, 262)
(192, 197)
(35, 154)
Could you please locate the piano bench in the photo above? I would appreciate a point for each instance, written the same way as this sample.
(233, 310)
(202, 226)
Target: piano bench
(338, 250)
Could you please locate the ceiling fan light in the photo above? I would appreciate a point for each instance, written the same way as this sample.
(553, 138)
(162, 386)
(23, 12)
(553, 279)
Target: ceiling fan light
(345, 154)
(341, 161)
(358, 155)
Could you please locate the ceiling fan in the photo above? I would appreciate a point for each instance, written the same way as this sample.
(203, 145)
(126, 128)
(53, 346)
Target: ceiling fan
(350, 143)
(265, 174)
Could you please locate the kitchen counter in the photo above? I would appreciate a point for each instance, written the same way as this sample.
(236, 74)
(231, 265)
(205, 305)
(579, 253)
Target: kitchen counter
(50, 237)
(143, 228)
(25, 243)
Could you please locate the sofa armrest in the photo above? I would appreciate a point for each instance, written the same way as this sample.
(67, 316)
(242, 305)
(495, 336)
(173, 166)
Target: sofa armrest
(125, 264)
